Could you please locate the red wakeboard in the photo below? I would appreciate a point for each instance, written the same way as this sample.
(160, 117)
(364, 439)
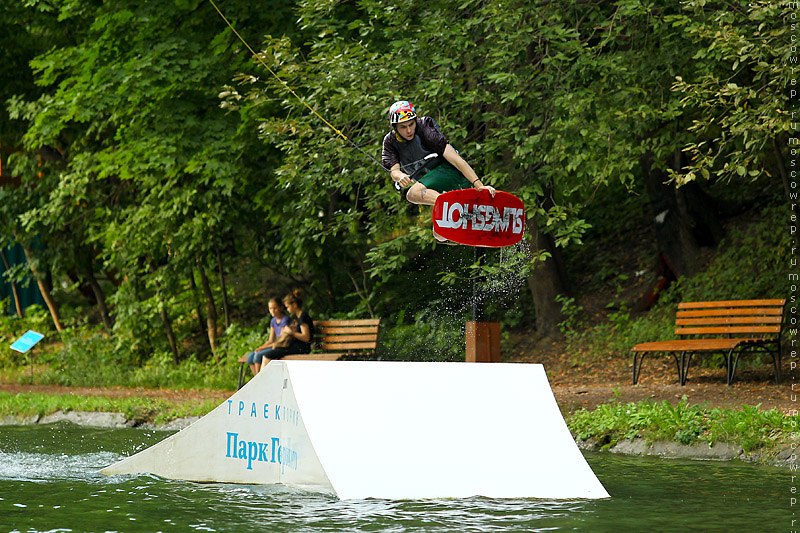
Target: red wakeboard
(474, 218)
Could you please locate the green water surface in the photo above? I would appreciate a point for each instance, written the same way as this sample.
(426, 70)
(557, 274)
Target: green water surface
(49, 482)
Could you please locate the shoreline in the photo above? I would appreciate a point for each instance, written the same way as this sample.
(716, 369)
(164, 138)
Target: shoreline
(721, 451)
(98, 419)
(700, 451)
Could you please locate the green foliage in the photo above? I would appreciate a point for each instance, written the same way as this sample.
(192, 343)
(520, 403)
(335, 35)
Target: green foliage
(613, 421)
(573, 313)
(240, 339)
(145, 147)
(739, 91)
(161, 372)
(750, 427)
(752, 262)
(91, 358)
(428, 338)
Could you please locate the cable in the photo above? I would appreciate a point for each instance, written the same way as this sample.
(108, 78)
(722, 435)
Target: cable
(286, 86)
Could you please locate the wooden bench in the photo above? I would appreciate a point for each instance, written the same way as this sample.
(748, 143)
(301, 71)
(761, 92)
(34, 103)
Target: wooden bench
(732, 328)
(333, 340)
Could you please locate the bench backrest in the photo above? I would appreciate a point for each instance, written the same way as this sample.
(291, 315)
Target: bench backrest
(347, 336)
(730, 317)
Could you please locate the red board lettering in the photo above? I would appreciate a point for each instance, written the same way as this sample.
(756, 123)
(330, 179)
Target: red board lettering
(474, 218)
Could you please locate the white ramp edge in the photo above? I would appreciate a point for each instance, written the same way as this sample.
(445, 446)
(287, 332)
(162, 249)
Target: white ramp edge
(395, 430)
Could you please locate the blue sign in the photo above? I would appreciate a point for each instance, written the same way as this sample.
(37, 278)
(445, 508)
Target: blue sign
(27, 341)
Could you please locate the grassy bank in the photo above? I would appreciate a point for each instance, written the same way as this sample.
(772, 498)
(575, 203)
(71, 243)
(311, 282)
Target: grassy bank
(141, 409)
(755, 430)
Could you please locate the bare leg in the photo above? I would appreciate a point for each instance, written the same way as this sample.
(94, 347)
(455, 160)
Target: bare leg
(418, 194)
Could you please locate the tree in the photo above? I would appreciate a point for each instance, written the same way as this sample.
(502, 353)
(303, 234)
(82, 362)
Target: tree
(150, 146)
(152, 172)
(739, 91)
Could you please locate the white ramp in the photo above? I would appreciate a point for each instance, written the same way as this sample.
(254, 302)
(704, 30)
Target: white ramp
(395, 430)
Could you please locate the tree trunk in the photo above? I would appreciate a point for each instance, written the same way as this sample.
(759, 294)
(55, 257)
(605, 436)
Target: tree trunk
(44, 288)
(548, 279)
(211, 309)
(165, 320)
(685, 219)
(173, 342)
(99, 297)
(201, 320)
(546, 282)
(14, 290)
(779, 159)
(225, 306)
(362, 290)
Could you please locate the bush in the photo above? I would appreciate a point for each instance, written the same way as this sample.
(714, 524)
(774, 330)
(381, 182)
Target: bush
(92, 358)
(87, 358)
(612, 422)
(750, 427)
(750, 263)
(160, 372)
(429, 338)
(239, 339)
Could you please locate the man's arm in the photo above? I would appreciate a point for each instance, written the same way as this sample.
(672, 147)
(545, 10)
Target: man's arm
(399, 176)
(457, 161)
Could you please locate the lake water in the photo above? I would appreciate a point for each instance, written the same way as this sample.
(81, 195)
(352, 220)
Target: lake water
(49, 482)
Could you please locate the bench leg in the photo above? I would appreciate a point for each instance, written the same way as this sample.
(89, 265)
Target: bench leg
(731, 363)
(678, 365)
(776, 360)
(241, 375)
(684, 367)
(637, 366)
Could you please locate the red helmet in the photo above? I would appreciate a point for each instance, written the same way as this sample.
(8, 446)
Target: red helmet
(401, 111)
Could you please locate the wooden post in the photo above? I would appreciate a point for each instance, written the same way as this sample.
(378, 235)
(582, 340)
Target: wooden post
(483, 337)
(483, 342)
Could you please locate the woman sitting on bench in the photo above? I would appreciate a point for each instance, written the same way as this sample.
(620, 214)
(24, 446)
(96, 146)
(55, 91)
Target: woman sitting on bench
(279, 321)
(301, 333)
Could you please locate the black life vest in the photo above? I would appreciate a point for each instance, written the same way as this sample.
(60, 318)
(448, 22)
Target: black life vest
(417, 160)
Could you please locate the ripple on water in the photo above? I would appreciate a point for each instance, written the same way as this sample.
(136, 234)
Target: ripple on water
(52, 484)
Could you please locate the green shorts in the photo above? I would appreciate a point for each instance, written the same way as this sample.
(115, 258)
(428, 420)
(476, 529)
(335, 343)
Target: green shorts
(445, 178)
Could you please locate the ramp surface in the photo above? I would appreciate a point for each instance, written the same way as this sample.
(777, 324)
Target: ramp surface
(384, 430)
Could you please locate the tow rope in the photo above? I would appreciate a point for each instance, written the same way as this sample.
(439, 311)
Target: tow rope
(288, 88)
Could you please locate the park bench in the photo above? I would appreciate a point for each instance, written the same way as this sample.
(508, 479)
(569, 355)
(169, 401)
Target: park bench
(334, 340)
(733, 328)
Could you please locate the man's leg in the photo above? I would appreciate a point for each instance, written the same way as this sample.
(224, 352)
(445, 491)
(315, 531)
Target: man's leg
(421, 195)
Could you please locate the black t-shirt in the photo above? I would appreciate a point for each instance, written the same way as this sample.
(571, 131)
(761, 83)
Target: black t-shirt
(305, 319)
